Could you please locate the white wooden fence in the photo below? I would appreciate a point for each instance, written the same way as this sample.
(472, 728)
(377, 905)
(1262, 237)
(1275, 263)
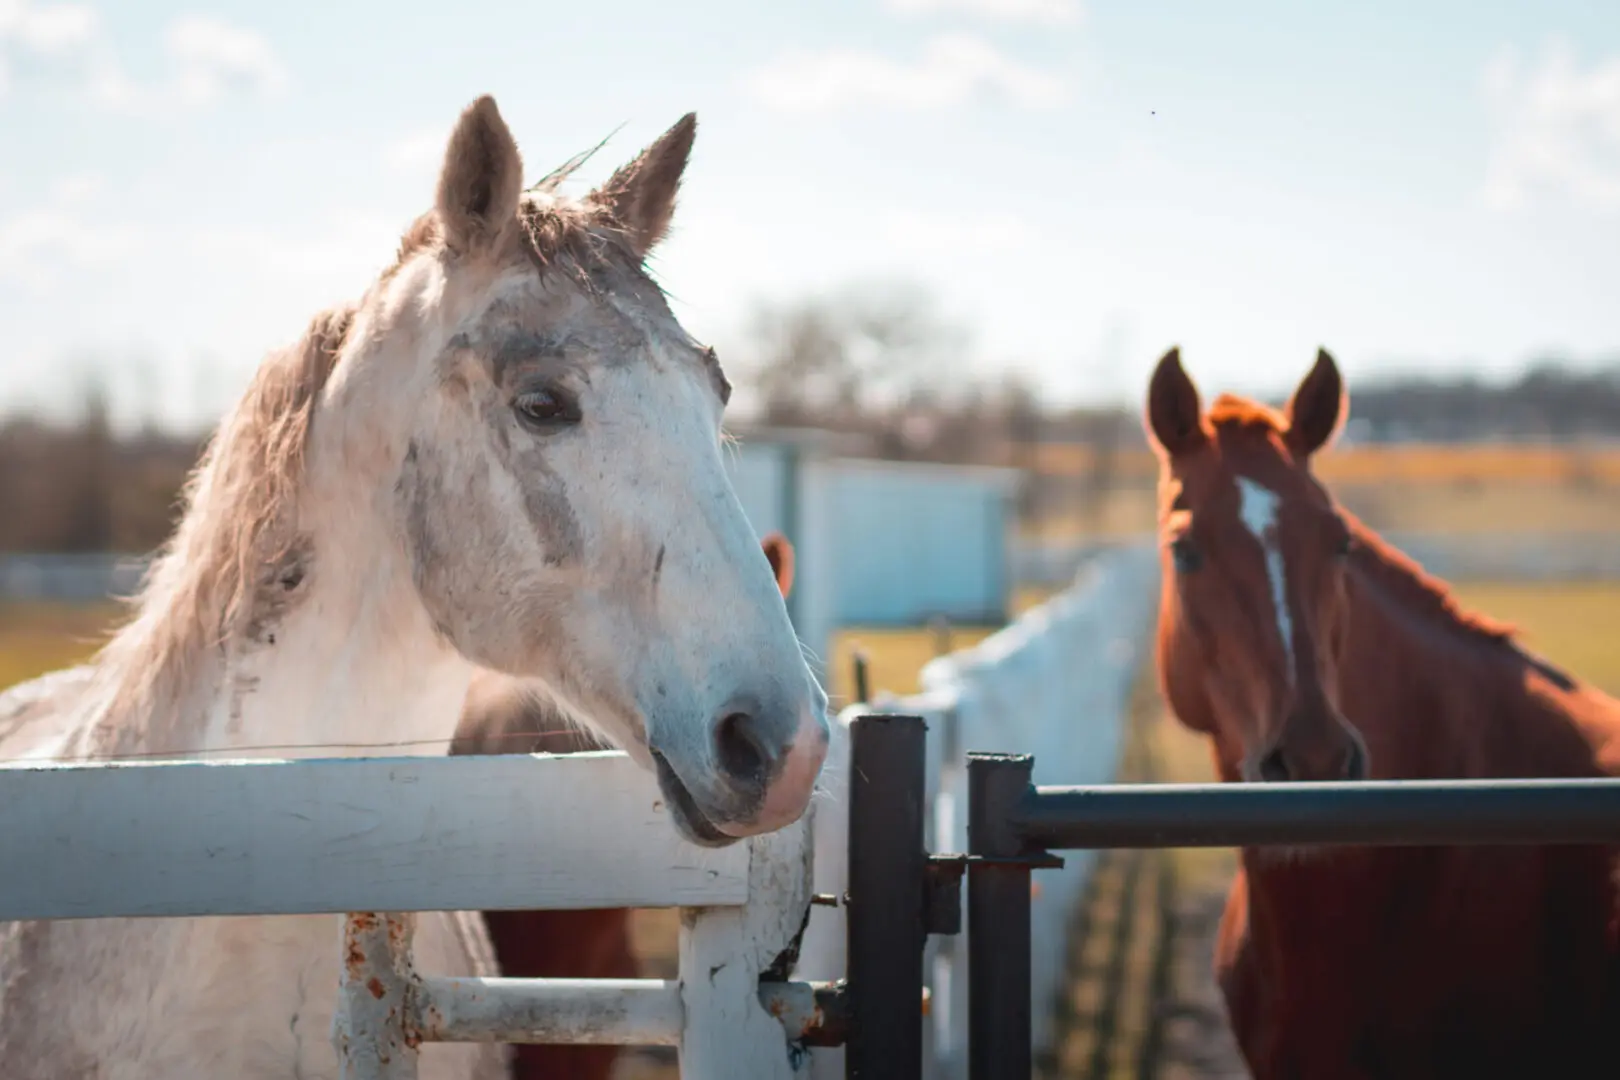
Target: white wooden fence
(388, 837)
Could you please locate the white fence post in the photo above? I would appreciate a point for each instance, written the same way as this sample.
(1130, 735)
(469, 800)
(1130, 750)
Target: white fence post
(728, 1034)
(371, 1027)
(822, 948)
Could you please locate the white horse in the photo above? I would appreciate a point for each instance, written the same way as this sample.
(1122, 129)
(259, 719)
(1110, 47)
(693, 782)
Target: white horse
(507, 454)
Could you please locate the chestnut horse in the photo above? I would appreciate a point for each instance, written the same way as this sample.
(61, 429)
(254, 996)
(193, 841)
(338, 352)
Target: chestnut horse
(1307, 648)
(503, 716)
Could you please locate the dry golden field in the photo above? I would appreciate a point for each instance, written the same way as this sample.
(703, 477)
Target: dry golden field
(1489, 463)
(1495, 488)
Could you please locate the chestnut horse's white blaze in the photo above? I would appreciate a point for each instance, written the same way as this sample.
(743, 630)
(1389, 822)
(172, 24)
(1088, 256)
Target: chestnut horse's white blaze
(506, 455)
(1258, 511)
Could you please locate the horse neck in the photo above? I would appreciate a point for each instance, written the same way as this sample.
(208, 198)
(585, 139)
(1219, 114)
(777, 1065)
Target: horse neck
(356, 664)
(1431, 682)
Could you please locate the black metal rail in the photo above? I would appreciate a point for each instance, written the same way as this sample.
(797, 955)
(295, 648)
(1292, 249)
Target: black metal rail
(1012, 823)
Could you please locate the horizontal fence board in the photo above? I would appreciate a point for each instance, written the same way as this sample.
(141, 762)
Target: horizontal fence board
(595, 1012)
(359, 834)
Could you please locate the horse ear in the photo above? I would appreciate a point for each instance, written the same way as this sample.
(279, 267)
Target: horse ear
(641, 195)
(1175, 416)
(779, 553)
(1317, 408)
(480, 181)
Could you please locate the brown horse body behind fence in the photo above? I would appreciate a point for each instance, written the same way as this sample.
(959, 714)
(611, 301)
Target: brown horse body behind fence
(501, 717)
(1309, 649)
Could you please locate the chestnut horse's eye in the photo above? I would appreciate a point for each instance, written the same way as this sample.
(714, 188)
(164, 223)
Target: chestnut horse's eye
(1184, 555)
(1346, 544)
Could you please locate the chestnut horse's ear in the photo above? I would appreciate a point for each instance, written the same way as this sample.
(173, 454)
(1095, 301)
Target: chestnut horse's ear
(1317, 407)
(641, 196)
(1175, 416)
(480, 181)
(779, 553)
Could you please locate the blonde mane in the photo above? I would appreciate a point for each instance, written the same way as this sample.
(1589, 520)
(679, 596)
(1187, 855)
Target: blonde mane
(237, 544)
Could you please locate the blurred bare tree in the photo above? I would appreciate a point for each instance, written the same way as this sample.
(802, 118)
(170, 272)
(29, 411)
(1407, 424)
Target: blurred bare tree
(81, 487)
(874, 347)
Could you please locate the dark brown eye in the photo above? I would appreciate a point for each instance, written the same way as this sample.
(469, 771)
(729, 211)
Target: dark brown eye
(1184, 555)
(722, 385)
(1345, 544)
(546, 409)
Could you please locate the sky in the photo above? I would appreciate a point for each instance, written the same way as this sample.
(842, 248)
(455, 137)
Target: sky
(1078, 183)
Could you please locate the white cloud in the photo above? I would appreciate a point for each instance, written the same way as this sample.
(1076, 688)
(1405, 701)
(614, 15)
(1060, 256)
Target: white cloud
(346, 249)
(931, 235)
(40, 247)
(48, 30)
(1043, 12)
(1556, 131)
(418, 150)
(953, 68)
(206, 58)
(211, 56)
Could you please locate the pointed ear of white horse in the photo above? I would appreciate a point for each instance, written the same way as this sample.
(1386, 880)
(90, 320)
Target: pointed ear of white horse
(641, 195)
(480, 181)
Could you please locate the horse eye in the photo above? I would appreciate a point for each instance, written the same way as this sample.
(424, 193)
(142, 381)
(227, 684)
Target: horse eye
(1345, 544)
(545, 410)
(1184, 555)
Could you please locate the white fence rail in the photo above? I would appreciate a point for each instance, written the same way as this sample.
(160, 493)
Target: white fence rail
(430, 834)
(1056, 684)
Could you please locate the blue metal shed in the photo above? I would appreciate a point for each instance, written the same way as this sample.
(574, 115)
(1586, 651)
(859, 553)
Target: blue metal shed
(879, 543)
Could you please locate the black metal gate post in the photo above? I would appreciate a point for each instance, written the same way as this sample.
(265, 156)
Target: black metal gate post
(999, 1012)
(888, 881)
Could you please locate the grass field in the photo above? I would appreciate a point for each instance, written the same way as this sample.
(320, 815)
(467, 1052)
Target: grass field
(36, 638)
(1486, 463)
(1460, 507)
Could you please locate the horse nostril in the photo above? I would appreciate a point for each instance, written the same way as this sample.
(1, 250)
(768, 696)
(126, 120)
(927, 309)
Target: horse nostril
(743, 755)
(1274, 767)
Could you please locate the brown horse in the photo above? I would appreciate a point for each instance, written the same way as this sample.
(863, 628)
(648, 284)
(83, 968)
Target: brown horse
(1307, 649)
(501, 716)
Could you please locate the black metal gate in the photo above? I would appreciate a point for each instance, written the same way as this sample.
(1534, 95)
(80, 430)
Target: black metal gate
(899, 893)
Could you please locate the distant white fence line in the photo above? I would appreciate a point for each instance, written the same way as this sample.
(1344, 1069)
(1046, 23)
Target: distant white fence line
(386, 837)
(1504, 556)
(1055, 683)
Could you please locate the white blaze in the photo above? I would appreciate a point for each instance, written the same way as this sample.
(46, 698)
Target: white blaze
(1259, 513)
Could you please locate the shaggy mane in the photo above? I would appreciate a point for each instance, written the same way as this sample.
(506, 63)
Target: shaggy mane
(1403, 578)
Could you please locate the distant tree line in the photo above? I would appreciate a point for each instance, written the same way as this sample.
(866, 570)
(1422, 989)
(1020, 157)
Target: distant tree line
(881, 367)
(79, 487)
(1550, 401)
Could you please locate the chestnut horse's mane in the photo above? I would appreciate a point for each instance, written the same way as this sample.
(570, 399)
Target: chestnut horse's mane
(1392, 569)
